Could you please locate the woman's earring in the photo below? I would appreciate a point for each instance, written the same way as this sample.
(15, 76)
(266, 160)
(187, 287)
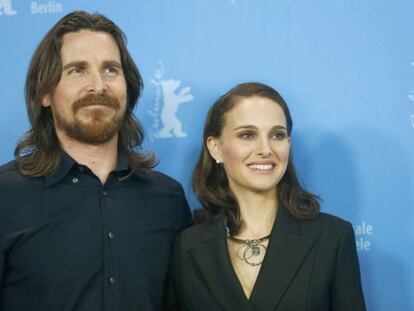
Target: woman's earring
(218, 161)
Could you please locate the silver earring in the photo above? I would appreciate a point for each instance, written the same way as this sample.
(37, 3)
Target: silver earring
(218, 161)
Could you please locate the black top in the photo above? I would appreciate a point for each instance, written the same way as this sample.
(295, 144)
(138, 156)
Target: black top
(68, 242)
(309, 266)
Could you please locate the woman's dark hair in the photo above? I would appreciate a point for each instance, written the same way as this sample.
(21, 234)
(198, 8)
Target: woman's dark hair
(210, 181)
(38, 152)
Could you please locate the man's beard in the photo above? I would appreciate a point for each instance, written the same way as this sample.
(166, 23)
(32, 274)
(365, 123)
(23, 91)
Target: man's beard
(98, 130)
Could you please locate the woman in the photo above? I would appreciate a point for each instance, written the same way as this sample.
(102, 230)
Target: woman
(260, 242)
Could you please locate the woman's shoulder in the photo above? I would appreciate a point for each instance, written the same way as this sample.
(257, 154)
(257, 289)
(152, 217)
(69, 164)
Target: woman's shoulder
(330, 226)
(200, 232)
(332, 220)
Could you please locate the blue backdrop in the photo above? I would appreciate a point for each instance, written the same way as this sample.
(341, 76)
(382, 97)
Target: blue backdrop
(345, 67)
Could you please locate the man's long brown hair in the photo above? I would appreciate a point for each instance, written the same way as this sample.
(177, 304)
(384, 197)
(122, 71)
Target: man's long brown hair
(38, 152)
(210, 181)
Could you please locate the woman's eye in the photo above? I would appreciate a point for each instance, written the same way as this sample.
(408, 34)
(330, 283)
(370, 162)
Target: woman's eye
(246, 136)
(279, 136)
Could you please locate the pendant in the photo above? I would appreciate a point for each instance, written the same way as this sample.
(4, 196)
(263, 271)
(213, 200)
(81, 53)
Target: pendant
(251, 252)
(255, 250)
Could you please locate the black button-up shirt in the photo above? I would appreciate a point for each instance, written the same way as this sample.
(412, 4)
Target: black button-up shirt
(68, 242)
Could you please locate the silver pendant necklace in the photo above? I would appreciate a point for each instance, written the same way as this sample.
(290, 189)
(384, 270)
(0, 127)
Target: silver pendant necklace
(252, 251)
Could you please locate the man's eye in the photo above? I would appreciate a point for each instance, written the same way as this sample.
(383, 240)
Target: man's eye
(76, 71)
(111, 71)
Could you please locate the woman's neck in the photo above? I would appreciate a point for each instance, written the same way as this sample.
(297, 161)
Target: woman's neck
(258, 212)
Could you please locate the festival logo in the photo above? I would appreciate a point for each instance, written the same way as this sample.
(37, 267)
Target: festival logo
(6, 8)
(50, 7)
(169, 96)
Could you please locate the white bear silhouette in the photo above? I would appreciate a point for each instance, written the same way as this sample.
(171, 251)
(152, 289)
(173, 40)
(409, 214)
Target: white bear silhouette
(172, 100)
(6, 7)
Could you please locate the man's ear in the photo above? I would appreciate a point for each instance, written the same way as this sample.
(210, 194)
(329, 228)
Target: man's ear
(213, 146)
(46, 101)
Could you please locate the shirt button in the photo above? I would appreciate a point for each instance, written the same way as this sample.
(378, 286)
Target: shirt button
(104, 193)
(75, 180)
(112, 280)
(111, 235)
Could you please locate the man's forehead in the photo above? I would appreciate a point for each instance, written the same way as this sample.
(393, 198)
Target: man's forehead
(84, 44)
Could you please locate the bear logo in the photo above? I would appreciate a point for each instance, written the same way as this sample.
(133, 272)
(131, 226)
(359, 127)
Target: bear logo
(170, 96)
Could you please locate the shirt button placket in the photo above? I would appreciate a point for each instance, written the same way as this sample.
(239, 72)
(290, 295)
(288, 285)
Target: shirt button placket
(112, 280)
(110, 254)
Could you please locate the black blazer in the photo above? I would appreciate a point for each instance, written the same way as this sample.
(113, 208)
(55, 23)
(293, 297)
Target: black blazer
(309, 266)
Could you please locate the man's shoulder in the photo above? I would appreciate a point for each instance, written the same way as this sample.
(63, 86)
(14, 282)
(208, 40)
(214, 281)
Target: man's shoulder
(9, 172)
(8, 167)
(11, 179)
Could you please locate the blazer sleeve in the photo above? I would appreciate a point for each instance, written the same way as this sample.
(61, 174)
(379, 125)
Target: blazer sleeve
(347, 294)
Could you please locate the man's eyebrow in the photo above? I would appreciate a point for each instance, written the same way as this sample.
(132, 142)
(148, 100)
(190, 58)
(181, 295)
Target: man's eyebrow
(112, 63)
(81, 64)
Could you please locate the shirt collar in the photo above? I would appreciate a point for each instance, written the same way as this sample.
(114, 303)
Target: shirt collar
(67, 163)
(123, 162)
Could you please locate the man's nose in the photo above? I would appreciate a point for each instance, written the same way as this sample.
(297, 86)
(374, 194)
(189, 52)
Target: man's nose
(97, 84)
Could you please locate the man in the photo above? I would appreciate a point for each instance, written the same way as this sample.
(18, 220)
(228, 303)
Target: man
(85, 224)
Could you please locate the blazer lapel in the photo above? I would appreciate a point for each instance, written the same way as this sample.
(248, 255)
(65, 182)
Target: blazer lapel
(211, 256)
(286, 251)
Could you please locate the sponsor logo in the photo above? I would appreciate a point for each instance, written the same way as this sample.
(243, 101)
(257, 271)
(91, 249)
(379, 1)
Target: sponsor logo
(6, 8)
(169, 96)
(363, 234)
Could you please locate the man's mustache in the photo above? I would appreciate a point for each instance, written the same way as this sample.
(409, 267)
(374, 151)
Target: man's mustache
(90, 100)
